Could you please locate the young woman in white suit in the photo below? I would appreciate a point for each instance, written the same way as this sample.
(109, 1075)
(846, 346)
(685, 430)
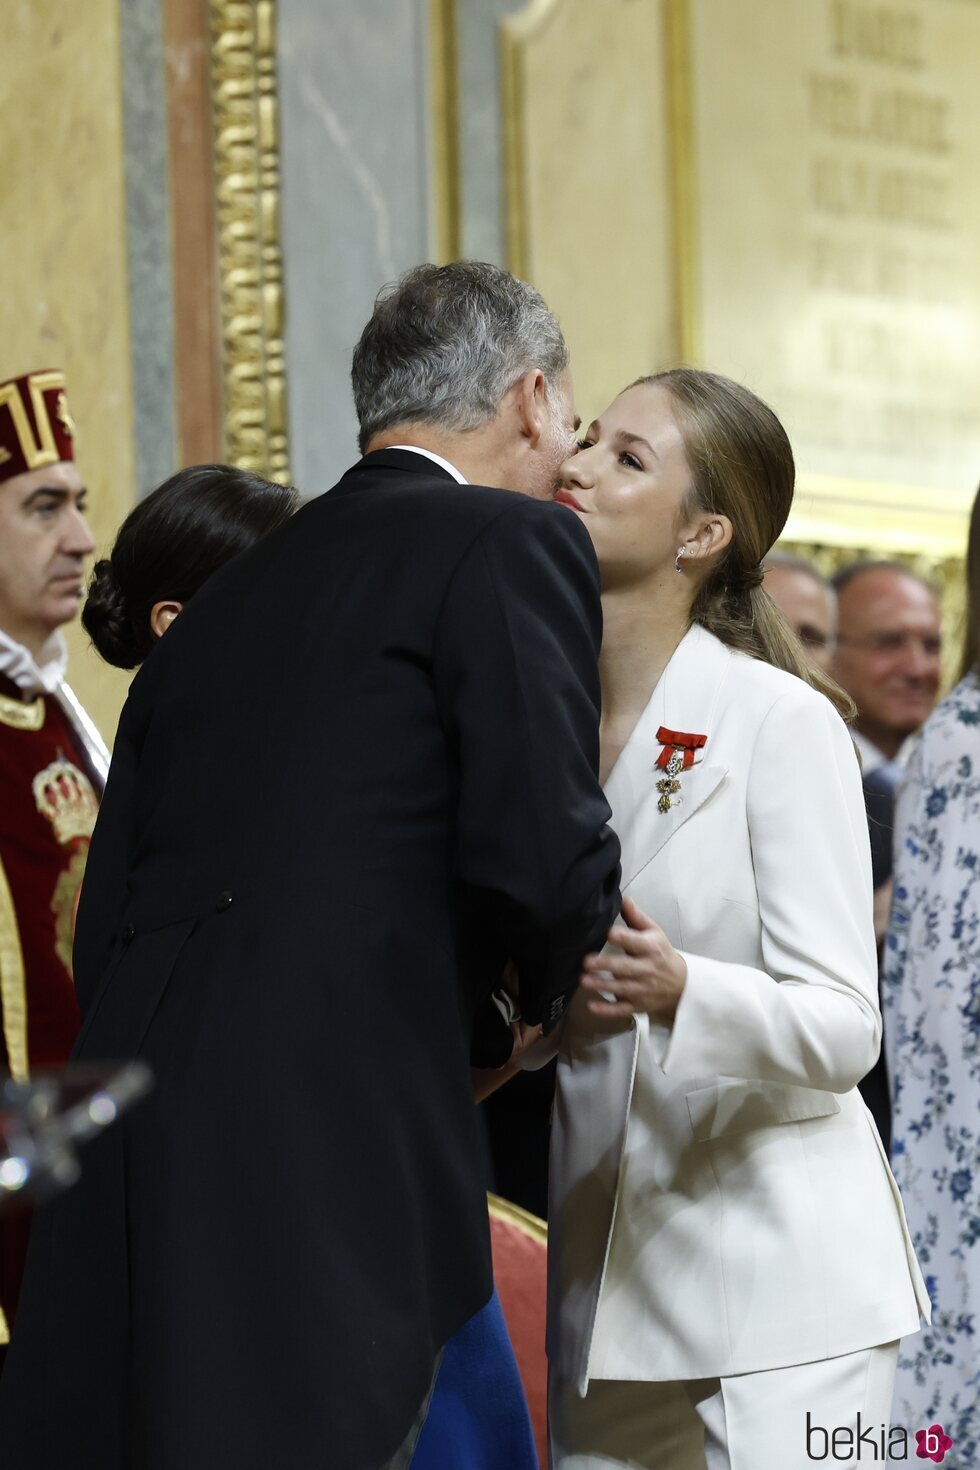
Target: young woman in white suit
(730, 1265)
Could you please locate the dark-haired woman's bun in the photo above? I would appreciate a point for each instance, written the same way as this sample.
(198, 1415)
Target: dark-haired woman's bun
(107, 620)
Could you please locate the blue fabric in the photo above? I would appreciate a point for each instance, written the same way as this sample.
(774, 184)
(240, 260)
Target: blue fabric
(478, 1417)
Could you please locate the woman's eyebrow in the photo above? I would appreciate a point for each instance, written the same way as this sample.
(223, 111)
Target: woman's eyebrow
(625, 437)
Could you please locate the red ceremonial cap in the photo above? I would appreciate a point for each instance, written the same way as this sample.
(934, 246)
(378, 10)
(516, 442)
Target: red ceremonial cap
(35, 426)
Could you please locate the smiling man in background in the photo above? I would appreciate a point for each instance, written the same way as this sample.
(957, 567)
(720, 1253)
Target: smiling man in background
(888, 658)
(888, 655)
(52, 762)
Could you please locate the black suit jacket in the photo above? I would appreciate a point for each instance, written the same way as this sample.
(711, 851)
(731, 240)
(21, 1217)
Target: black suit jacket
(358, 772)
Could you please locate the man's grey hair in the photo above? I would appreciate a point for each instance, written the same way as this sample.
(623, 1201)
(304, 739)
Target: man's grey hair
(446, 342)
(789, 561)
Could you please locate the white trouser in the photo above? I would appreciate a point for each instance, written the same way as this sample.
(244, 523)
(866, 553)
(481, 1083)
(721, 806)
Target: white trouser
(752, 1421)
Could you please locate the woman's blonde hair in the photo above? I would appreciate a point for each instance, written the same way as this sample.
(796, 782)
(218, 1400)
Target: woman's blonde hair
(742, 464)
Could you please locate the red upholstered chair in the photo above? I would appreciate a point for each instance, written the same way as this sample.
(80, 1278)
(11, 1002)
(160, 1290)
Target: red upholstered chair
(520, 1251)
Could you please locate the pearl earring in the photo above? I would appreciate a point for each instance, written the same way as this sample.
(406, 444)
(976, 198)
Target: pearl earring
(677, 559)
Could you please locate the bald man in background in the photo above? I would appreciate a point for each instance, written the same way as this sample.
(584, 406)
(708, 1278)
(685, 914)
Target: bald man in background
(888, 654)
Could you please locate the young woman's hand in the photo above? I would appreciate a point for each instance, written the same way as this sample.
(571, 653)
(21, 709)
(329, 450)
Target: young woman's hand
(646, 974)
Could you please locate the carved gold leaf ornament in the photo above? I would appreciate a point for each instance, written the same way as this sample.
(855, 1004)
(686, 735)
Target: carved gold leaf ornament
(246, 161)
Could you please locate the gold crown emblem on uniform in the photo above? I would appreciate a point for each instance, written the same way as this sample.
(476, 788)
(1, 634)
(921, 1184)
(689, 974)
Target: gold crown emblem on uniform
(65, 796)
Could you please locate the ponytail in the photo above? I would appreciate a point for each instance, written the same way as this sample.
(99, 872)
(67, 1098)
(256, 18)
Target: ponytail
(748, 620)
(742, 467)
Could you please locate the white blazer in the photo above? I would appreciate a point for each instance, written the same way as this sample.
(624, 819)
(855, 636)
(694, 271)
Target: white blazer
(721, 1202)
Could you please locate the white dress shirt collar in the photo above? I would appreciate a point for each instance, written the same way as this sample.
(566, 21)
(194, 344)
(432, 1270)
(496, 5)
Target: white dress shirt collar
(34, 676)
(872, 758)
(436, 459)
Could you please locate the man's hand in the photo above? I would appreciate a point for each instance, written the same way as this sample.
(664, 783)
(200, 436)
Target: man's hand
(647, 975)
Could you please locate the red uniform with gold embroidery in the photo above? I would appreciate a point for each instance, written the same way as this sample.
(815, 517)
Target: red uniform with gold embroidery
(48, 806)
(47, 813)
(50, 778)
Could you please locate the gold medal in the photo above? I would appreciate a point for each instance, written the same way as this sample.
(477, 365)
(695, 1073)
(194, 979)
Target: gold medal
(669, 785)
(677, 756)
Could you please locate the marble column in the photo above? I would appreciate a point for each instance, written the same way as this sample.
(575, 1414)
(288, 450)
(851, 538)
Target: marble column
(148, 240)
(356, 209)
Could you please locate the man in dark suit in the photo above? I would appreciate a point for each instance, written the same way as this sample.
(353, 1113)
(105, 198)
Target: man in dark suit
(355, 779)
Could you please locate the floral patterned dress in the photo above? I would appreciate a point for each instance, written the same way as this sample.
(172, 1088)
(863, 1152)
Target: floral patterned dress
(932, 1029)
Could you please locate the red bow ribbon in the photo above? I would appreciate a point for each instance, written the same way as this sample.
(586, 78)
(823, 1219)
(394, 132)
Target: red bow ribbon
(672, 740)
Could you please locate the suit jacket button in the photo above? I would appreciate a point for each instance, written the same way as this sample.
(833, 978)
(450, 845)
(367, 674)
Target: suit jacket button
(129, 933)
(224, 901)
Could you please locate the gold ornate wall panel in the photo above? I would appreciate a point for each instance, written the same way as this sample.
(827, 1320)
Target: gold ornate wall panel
(829, 208)
(246, 161)
(587, 182)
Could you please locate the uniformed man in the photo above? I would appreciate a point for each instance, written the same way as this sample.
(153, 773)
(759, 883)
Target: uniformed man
(52, 762)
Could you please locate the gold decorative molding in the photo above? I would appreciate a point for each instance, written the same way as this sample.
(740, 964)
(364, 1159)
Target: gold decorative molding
(897, 520)
(444, 66)
(246, 162)
(506, 1211)
(513, 30)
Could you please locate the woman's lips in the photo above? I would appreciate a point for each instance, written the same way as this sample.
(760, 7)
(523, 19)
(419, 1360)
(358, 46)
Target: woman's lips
(565, 497)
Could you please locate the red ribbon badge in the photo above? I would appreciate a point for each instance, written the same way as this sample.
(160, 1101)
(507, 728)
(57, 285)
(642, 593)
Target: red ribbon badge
(672, 740)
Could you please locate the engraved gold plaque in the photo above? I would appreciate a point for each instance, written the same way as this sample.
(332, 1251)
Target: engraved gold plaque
(829, 222)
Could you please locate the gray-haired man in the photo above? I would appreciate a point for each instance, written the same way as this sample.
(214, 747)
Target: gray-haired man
(356, 778)
(465, 363)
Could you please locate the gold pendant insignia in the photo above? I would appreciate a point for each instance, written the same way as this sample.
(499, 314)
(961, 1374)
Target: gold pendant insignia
(669, 785)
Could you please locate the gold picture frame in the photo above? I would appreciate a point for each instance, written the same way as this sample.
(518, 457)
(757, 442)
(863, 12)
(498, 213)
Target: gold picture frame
(245, 113)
